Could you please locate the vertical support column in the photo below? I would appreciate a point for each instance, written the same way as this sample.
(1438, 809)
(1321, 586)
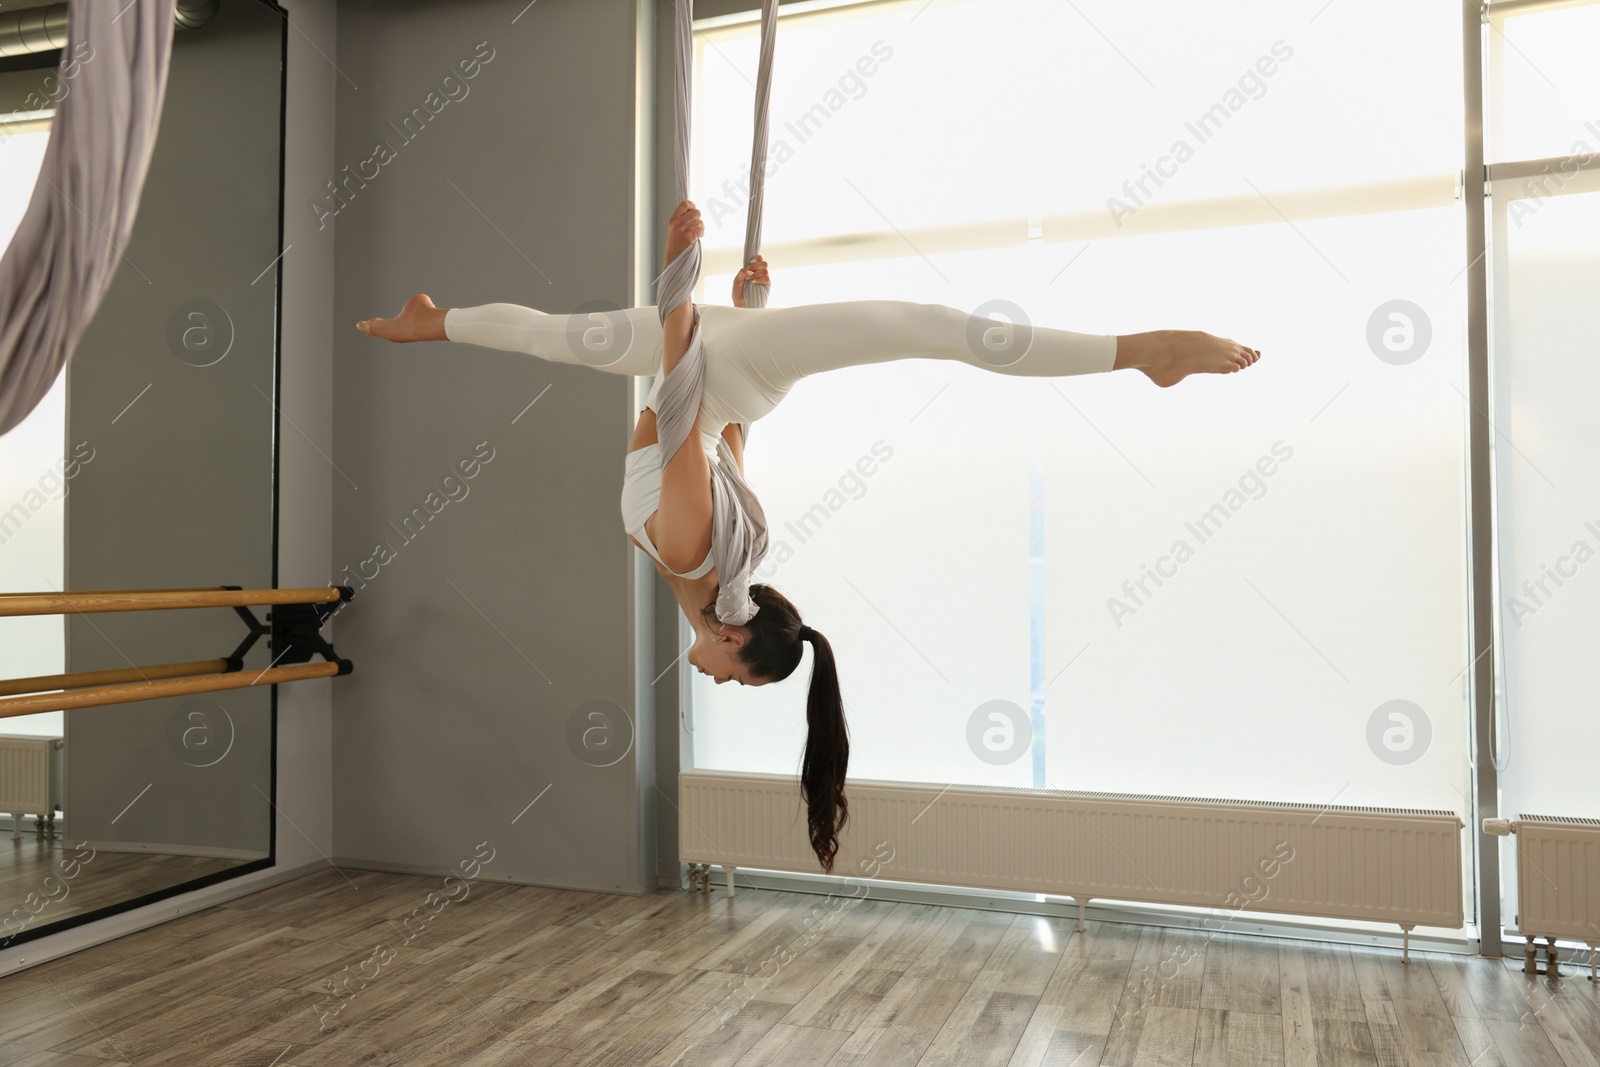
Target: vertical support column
(1480, 539)
(644, 582)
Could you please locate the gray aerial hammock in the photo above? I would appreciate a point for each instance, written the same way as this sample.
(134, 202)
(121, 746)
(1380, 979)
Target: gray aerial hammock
(738, 525)
(67, 246)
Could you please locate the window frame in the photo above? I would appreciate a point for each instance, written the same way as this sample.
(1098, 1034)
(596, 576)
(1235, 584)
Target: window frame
(1476, 184)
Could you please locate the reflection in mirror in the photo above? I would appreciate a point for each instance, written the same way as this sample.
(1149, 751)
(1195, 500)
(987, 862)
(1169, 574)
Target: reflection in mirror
(151, 464)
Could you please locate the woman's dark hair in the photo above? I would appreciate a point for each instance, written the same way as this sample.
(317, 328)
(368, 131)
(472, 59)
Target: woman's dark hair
(772, 653)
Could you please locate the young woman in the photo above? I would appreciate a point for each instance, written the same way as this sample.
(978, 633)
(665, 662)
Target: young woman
(749, 358)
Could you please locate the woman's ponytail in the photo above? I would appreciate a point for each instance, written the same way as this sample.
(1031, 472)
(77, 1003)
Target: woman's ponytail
(776, 644)
(827, 755)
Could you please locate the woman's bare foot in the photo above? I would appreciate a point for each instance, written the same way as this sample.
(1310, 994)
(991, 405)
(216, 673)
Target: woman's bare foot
(1169, 356)
(419, 320)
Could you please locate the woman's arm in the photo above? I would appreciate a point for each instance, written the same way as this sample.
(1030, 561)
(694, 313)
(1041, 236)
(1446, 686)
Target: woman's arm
(756, 272)
(682, 522)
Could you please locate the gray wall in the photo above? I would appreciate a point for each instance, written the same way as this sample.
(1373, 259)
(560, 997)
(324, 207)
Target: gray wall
(508, 605)
(179, 490)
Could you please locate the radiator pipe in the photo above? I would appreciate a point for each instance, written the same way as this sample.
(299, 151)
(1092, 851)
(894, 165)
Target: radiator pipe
(42, 29)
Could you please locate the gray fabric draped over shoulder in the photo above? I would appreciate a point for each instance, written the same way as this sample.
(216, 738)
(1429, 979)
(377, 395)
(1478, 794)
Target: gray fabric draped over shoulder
(738, 525)
(67, 246)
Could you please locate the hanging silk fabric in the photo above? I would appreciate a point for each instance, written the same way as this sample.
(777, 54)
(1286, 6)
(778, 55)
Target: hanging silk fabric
(67, 247)
(738, 525)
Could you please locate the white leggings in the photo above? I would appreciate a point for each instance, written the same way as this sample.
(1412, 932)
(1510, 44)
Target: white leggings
(753, 356)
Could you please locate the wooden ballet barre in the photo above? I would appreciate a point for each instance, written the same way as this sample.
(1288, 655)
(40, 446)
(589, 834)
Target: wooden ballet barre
(12, 604)
(125, 694)
(79, 679)
(293, 633)
(174, 589)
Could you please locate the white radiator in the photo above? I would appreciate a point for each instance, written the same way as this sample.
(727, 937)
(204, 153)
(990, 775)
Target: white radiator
(30, 778)
(1377, 864)
(1558, 876)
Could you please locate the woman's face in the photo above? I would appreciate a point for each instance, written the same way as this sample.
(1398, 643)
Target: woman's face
(715, 653)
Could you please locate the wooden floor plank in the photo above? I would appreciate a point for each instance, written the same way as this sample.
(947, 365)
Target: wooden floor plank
(1478, 1044)
(63, 1059)
(1168, 1037)
(1028, 953)
(984, 1028)
(1494, 993)
(1241, 974)
(849, 992)
(1545, 1011)
(903, 1025)
(1343, 1042)
(1116, 941)
(1331, 981)
(1388, 1040)
(1448, 980)
(962, 946)
(744, 945)
(711, 1040)
(1579, 1003)
(1299, 1031)
(576, 1019)
(794, 1046)
(1372, 976)
(1039, 1035)
(1524, 1045)
(1430, 1034)
(1238, 1039)
(1166, 974)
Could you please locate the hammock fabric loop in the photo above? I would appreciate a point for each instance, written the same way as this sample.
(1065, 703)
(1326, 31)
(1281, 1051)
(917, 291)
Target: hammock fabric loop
(738, 525)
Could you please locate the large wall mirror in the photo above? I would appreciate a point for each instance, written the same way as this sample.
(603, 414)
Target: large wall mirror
(152, 464)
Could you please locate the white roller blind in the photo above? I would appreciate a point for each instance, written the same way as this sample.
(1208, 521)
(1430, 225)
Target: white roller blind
(1313, 646)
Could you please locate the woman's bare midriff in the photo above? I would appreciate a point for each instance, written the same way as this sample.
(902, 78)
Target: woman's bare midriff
(644, 435)
(644, 431)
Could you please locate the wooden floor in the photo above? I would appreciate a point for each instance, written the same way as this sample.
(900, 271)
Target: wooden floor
(532, 977)
(32, 867)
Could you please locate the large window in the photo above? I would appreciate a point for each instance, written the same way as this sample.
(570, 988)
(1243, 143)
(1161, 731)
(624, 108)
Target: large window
(1004, 552)
(1252, 585)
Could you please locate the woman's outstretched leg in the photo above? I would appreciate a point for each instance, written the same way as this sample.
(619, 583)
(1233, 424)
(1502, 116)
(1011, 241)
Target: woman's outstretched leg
(621, 342)
(792, 343)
